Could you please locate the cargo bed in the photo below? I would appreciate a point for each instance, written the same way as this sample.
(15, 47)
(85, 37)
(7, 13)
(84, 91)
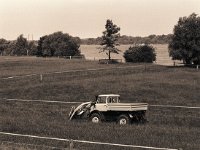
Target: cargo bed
(127, 106)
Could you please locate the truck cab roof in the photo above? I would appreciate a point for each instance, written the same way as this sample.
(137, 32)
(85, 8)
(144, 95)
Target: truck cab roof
(111, 95)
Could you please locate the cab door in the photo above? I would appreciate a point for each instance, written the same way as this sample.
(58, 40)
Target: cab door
(101, 104)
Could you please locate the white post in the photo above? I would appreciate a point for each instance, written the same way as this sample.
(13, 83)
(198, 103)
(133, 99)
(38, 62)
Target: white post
(71, 145)
(197, 67)
(70, 57)
(41, 77)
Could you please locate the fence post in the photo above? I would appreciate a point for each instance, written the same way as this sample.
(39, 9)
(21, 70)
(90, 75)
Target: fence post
(71, 145)
(41, 77)
(70, 57)
(197, 67)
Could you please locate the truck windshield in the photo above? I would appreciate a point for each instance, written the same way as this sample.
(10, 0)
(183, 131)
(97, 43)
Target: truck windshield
(101, 99)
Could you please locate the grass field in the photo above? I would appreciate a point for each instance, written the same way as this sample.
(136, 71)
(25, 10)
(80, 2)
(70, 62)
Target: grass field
(154, 84)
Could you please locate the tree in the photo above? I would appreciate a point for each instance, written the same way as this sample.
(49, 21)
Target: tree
(3, 46)
(40, 51)
(58, 44)
(185, 43)
(32, 48)
(109, 39)
(21, 46)
(10, 48)
(141, 53)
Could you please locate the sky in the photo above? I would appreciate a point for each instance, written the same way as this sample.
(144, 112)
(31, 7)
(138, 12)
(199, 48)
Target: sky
(87, 18)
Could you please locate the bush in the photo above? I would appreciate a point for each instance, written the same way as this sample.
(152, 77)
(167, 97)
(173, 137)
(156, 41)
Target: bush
(144, 53)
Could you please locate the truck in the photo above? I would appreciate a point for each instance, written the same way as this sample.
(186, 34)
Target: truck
(108, 107)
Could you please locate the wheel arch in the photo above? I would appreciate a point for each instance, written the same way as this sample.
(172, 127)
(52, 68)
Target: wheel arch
(124, 116)
(95, 111)
(99, 113)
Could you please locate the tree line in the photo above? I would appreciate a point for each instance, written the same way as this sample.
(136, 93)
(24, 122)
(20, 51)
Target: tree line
(125, 40)
(55, 44)
(18, 47)
(184, 43)
(60, 44)
(21, 46)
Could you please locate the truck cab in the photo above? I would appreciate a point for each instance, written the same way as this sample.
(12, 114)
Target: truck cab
(102, 101)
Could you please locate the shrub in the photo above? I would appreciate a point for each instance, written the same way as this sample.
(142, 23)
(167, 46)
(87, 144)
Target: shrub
(140, 53)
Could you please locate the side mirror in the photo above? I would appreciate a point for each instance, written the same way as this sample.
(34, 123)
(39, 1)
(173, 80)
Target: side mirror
(96, 97)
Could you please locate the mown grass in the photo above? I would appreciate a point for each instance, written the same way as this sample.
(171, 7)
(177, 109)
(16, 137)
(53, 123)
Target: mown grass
(167, 127)
(14, 66)
(156, 85)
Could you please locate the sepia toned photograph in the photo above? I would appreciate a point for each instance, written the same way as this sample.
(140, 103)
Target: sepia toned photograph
(99, 74)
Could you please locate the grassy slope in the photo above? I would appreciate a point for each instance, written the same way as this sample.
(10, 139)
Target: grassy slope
(14, 66)
(157, 85)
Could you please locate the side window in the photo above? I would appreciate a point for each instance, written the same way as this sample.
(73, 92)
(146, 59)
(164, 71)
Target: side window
(112, 100)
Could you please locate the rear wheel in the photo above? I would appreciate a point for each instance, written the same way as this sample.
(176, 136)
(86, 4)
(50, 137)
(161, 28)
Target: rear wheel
(95, 118)
(123, 120)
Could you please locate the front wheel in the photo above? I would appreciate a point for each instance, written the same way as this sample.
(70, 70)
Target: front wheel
(123, 120)
(95, 118)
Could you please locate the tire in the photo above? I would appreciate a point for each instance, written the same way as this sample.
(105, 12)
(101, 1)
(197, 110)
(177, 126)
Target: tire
(123, 120)
(95, 118)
